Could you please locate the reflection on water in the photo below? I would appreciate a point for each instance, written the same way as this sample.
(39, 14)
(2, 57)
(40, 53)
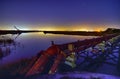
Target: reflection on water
(32, 43)
(6, 45)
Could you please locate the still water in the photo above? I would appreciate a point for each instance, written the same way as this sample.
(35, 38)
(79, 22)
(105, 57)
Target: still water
(29, 44)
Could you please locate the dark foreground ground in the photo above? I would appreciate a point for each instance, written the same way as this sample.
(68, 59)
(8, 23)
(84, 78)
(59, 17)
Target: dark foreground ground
(76, 75)
(67, 75)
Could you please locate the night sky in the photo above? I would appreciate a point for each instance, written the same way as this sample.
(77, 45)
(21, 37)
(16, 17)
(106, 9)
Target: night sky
(34, 13)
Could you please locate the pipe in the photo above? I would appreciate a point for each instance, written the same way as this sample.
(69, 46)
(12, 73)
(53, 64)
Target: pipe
(57, 62)
(39, 65)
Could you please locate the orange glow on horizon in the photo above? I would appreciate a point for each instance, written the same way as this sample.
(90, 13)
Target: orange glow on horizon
(71, 29)
(100, 29)
(97, 28)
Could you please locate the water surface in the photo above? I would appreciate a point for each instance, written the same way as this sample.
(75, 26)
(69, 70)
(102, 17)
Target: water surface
(29, 44)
